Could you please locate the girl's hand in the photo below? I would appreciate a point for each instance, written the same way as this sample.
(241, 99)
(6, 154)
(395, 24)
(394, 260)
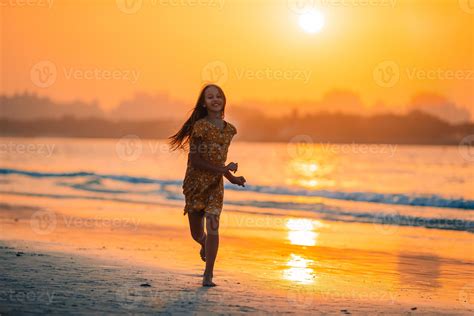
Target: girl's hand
(239, 181)
(232, 167)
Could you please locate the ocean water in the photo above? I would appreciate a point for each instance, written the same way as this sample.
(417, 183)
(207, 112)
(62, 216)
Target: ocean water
(420, 186)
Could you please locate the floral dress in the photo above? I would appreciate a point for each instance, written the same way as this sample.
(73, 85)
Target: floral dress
(202, 189)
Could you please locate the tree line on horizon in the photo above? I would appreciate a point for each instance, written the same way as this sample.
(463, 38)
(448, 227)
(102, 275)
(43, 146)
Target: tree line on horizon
(415, 127)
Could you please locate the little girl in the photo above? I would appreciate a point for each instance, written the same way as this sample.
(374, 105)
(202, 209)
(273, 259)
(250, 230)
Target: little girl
(209, 138)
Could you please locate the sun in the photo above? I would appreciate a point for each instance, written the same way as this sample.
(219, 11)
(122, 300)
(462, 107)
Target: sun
(312, 22)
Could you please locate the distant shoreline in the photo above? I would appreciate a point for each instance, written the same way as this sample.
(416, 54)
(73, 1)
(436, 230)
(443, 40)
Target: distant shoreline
(235, 141)
(415, 128)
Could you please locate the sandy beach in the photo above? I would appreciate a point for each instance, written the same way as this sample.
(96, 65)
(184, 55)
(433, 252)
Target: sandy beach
(85, 257)
(331, 141)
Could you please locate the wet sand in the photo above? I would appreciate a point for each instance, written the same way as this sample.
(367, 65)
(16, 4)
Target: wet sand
(62, 256)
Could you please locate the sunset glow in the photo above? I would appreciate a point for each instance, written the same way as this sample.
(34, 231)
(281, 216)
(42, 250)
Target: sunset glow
(312, 22)
(274, 60)
(237, 157)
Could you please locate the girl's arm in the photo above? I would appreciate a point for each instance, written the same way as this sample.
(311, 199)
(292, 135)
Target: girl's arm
(235, 180)
(229, 176)
(198, 162)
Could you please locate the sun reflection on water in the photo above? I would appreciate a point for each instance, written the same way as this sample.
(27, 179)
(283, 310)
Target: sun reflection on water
(298, 270)
(301, 232)
(310, 173)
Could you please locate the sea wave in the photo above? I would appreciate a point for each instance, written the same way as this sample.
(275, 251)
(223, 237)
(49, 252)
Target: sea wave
(146, 190)
(430, 200)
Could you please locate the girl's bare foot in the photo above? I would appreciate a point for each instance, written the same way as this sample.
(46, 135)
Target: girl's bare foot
(207, 280)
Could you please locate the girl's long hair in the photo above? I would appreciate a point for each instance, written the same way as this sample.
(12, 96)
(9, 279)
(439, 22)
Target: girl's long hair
(181, 138)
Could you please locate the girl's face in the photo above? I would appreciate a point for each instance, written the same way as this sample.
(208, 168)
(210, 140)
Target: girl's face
(213, 99)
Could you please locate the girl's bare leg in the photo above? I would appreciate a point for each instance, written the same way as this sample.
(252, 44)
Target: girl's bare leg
(212, 245)
(196, 224)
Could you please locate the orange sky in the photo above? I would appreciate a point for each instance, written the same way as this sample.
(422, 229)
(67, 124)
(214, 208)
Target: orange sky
(100, 51)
